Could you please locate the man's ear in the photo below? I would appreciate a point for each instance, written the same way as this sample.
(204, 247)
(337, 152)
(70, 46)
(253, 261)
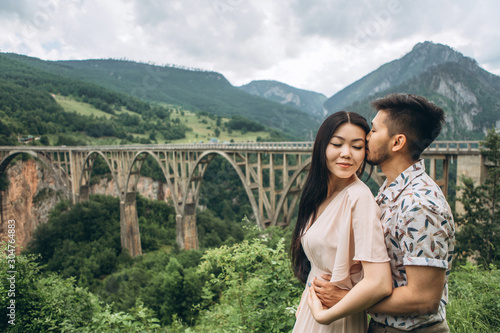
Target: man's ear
(398, 142)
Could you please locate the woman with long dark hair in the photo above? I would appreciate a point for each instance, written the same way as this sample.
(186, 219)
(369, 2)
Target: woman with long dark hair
(338, 231)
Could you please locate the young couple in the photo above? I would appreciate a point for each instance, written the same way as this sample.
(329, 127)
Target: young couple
(390, 256)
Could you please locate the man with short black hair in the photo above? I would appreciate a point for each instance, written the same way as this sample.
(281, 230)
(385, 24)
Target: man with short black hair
(416, 218)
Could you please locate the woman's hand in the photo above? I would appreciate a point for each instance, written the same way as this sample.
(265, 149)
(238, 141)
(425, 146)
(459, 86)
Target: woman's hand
(316, 306)
(375, 285)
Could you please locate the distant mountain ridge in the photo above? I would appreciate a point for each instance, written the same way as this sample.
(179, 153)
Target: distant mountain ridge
(468, 94)
(305, 100)
(30, 106)
(196, 90)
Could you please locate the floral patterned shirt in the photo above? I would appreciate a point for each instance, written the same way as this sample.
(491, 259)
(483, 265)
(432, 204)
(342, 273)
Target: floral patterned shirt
(419, 230)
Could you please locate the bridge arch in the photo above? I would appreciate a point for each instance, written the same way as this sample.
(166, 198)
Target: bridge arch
(62, 182)
(286, 191)
(83, 188)
(209, 155)
(137, 161)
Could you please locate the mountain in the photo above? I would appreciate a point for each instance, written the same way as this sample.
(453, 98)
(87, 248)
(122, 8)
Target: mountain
(305, 100)
(467, 93)
(63, 111)
(195, 90)
(422, 57)
(56, 110)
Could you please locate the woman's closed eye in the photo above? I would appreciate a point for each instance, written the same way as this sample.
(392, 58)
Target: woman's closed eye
(340, 145)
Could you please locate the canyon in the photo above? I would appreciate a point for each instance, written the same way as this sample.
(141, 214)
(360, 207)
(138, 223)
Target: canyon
(33, 192)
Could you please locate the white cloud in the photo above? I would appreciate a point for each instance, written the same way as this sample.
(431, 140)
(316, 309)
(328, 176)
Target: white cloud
(321, 46)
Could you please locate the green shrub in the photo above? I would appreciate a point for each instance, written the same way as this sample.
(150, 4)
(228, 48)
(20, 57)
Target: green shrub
(241, 123)
(83, 240)
(167, 284)
(49, 303)
(252, 288)
(474, 304)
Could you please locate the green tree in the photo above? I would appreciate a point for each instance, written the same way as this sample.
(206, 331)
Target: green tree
(479, 227)
(4, 181)
(44, 140)
(49, 303)
(253, 287)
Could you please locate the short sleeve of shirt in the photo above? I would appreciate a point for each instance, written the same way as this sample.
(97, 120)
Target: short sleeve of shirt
(426, 231)
(369, 244)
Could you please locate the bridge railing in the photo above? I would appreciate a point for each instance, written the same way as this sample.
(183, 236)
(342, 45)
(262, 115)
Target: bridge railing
(437, 147)
(299, 145)
(292, 145)
(454, 147)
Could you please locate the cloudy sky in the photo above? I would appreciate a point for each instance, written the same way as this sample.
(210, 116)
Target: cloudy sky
(319, 45)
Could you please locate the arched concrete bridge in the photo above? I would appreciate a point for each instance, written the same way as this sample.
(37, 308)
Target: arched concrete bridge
(273, 175)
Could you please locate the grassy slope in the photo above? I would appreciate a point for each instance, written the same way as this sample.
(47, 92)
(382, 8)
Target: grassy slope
(201, 131)
(70, 105)
(204, 132)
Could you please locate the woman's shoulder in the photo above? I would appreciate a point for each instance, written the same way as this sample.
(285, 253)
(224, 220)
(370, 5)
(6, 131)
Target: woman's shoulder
(359, 190)
(361, 199)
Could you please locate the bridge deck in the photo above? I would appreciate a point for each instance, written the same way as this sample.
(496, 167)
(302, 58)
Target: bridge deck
(437, 147)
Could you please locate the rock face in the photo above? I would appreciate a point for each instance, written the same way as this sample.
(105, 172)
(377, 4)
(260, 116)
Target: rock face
(30, 195)
(33, 192)
(146, 186)
(308, 101)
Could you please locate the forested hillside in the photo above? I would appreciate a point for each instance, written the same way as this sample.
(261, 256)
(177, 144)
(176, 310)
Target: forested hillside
(423, 56)
(191, 89)
(29, 107)
(65, 111)
(141, 97)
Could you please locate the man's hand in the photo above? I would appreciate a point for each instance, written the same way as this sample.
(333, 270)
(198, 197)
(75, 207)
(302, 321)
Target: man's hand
(327, 292)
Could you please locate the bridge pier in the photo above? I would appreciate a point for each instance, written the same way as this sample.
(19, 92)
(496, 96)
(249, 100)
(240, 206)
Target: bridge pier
(187, 231)
(84, 194)
(471, 166)
(129, 225)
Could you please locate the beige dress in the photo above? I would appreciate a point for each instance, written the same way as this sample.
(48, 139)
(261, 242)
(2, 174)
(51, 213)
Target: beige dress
(347, 232)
